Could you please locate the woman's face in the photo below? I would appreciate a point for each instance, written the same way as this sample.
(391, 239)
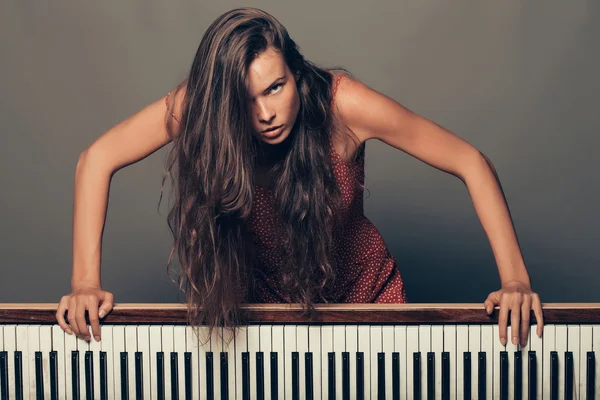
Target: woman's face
(273, 97)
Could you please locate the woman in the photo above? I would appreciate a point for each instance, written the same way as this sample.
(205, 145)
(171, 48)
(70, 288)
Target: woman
(269, 151)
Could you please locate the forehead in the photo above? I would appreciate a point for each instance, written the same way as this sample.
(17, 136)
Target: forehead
(264, 69)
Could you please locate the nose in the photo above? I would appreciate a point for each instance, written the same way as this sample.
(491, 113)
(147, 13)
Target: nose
(265, 113)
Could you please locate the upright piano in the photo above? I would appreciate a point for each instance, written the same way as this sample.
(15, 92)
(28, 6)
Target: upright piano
(345, 351)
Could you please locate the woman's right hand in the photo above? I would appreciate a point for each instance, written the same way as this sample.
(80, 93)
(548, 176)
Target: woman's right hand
(96, 301)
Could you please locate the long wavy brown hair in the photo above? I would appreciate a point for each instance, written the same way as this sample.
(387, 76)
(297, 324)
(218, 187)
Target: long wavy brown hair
(215, 154)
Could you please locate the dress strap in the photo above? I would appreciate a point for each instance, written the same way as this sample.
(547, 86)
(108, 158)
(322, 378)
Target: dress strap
(337, 82)
(167, 103)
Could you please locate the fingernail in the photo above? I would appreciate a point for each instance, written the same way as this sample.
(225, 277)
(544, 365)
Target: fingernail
(97, 338)
(503, 341)
(70, 332)
(515, 340)
(101, 314)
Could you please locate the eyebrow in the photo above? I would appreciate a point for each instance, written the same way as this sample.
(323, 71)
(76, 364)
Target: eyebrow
(273, 83)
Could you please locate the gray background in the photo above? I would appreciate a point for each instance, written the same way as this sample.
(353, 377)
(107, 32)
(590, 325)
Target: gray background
(516, 79)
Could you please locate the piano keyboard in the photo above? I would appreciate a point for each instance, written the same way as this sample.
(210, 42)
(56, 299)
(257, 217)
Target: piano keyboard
(351, 351)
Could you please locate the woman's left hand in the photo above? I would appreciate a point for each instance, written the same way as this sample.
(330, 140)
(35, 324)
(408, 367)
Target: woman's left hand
(518, 299)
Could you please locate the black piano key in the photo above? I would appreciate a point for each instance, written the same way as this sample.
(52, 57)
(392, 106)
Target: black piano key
(395, 375)
(260, 378)
(224, 376)
(553, 375)
(445, 375)
(345, 375)
(482, 376)
(139, 376)
(518, 376)
(467, 375)
(75, 386)
(295, 376)
(380, 376)
(3, 375)
(18, 375)
(53, 375)
(89, 375)
(532, 377)
(360, 375)
(187, 366)
(417, 375)
(39, 376)
(160, 375)
(569, 375)
(245, 375)
(174, 376)
(308, 373)
(274, 376)
(590, 380)
(210, 376)
(430, 375)
(103, 376)
(331, 375)
(503, 375)
(124, 376)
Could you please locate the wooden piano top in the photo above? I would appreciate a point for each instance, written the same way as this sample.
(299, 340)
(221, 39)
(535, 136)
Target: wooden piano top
(410, 313)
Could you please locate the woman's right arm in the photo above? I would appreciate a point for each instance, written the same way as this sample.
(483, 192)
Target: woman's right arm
(128, 142)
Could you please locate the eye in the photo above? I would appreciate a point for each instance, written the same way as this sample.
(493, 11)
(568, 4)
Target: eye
(273, 87)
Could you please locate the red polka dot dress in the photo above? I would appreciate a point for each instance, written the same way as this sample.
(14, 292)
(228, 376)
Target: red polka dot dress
(369, 273)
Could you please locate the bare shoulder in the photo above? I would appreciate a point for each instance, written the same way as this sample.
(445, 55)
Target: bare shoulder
(348, 102)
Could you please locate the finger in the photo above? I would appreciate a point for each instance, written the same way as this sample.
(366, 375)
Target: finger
(80, 316)
(539, 315)
(503, 320)
(60, 315)
(515, 318)
(490, 302)
(94, 321)
(71, 316)
(107, 304)
(525, 320)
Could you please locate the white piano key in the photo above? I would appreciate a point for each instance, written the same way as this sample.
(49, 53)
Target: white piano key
(241, 345)
(437, 346)
(400, 347)
(561, 348)
(229, 348)
(253, 348)
(155, 348)
(510, 349)
(179, 343)
(488, 337)
(10, 345)
(95, 348)
(106, 345)
(289, 337)
(585, 345)
(33, 338)
(573, 346)
(266, 341)
(462, 346)
(143, 332)
(525, 363)
(58, 345)
(302, 348)
(364, 345)
(412, 346)
(474, 348)
(425, 347)
(326, 348)
(536, 344)
(387, 333)
(314, 341)
(548, 345)
(596, 348)
(131, 347)
(46, 347)
(23, 347)
(497, 347)
(376, 347)
(118, 338)
(278, 347)
(450, 347)
(216, 345)
(191, 346)
(352, 349)
(168, 347)
(339, 346)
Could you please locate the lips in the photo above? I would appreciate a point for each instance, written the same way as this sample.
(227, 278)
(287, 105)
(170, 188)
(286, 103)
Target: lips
(272, 129)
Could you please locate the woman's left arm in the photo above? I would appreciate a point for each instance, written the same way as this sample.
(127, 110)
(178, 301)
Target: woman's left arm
(372, 115)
